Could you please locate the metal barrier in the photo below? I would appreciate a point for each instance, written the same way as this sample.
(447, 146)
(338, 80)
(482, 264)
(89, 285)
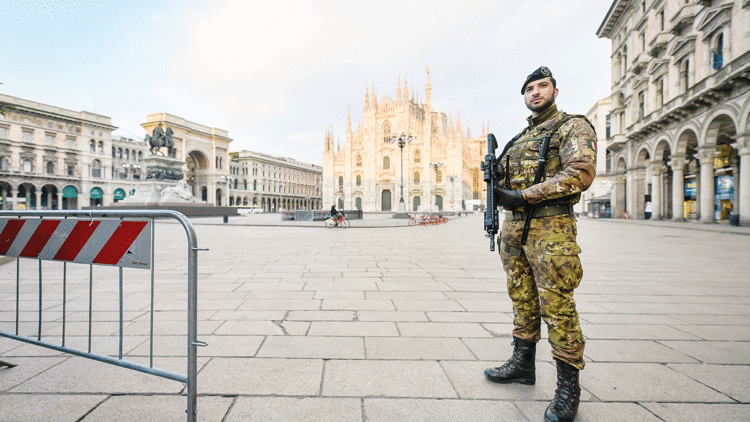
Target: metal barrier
(101, 237)
(287, 215)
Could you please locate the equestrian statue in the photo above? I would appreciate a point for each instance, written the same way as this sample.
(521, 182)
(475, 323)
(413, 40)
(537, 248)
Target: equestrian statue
(161, 139)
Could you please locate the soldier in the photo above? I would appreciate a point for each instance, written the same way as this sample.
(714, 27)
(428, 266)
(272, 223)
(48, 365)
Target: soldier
(543, 271)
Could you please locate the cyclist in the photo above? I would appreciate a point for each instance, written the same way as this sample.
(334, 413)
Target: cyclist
(335, 215)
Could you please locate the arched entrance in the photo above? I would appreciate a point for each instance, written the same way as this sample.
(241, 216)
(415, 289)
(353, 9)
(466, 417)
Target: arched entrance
(218, 197)
(119, 195)
(70, 198)
(95, 197)
(358, 203)
(198, 169)
(385, 200)
(439, 202)
(417, 201)
(49, 197)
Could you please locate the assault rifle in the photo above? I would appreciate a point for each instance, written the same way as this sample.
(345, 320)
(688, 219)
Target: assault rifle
(491, 214)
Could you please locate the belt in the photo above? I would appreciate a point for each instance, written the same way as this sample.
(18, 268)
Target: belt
(543, 211)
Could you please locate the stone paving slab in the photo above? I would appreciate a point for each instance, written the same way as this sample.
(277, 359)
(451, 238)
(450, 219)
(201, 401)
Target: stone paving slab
(51, 407)
(386, 378)
(285, 409)
(425, 410)
(157, 409)
(697, 412)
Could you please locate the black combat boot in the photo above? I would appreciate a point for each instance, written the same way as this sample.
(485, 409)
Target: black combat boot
(567, 396)
(519, 368)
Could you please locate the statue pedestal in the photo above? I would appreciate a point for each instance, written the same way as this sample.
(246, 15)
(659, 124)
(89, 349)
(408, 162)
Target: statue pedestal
(401, 211)
(161, 173)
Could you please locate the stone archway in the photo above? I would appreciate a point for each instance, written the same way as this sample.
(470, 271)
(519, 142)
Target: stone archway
(719, 164)
(198, 168)
(661, 181)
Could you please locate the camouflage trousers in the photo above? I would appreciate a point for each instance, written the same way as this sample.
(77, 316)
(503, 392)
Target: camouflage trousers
(541, 277)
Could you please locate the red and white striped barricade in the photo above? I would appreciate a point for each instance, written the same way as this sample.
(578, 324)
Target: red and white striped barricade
(119, 238)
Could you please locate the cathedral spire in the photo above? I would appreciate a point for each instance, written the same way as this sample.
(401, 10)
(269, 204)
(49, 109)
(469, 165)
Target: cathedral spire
(349, 120)
(459, 130)
(374, 99)
(428, 88)
(398, 94)
(367, 98)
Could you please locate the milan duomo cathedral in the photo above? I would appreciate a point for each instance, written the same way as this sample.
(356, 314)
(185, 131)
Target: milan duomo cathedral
(441, 165)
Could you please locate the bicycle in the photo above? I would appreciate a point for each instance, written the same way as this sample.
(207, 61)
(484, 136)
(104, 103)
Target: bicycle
(337, 222)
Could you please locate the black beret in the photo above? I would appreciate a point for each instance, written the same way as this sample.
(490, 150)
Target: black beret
(541, 73)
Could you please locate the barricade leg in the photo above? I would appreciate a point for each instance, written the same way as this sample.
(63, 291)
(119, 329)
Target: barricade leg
(8, 364)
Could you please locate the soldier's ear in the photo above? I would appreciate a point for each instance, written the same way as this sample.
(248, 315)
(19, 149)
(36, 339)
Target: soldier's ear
(557, 91)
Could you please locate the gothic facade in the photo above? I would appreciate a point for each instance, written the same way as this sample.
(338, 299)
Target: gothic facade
(441, 165)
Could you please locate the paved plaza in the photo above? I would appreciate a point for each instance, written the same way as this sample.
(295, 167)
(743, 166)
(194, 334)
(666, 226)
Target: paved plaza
(383, 322)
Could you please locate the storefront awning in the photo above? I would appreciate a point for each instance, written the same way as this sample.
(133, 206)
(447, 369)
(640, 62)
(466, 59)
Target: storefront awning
(96, 193)
(70, 192)
(119, 194)
(604, 199)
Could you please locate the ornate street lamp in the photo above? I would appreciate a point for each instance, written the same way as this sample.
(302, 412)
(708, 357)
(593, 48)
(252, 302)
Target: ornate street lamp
(402, 141)
(436, 166)
(278, 205)
(451, 179)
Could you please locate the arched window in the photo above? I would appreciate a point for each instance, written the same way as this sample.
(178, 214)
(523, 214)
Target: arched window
(27, 166)
(685, 75)
(416, 177)
(386, 163)
(359, 180)
(359, 160)
(96, 169)
(50, 167)
(114, 152)
(101, 147)
(127, 154)
(717, 53)
(417, 156)
(140, 156)
(244, 184)
(4, 163)
(341, 181)
(386, 132)
(624, 59)
(439, 176)
(255, 185)
(92, 145)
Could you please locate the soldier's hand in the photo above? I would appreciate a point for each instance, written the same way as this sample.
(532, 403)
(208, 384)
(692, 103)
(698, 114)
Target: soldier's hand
(509, 199)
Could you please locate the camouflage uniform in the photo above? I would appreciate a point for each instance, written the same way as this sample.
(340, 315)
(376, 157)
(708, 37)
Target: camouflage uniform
(543, 273)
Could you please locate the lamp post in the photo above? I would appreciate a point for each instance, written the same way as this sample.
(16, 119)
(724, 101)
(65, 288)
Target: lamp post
(436, 166)
(228, 180)
(402, 141)
(278, 205)
(451, 179)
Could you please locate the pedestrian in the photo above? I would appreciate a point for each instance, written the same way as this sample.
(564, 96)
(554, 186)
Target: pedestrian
(544, 270)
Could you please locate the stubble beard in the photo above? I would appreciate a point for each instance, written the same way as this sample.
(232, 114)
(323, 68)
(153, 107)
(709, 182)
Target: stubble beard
(541, 107)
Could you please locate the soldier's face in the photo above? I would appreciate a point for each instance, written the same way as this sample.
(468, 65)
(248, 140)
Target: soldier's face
(539, 94)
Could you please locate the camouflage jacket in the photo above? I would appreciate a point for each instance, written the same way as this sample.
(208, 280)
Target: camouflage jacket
(571, 159)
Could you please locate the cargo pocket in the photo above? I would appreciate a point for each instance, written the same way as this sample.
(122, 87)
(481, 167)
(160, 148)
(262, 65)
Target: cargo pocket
(561, 265)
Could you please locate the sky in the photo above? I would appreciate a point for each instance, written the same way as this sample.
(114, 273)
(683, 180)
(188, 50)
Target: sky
(277, 74)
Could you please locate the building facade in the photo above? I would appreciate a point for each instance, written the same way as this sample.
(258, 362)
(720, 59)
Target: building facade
(271, 184)
(53, 158)
(440, 166)
(680, 120)
(595, 201)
